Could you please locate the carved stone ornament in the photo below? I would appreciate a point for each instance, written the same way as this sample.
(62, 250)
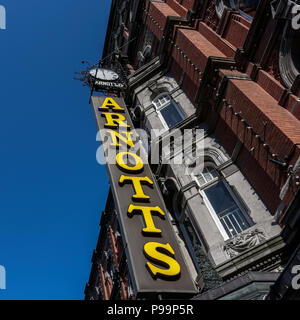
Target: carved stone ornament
(243, 242)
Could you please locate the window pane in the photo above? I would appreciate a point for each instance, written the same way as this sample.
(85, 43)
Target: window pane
(172, 115)
(219, 197)
(161, 101)
(213, 172)
(230, 215)
(207, 176)
(230, 231)
(164, 99)
(242, 222)
(235, 223)
(201, 180)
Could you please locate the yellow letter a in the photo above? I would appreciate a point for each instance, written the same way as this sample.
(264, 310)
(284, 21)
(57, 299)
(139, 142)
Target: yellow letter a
(110, 103)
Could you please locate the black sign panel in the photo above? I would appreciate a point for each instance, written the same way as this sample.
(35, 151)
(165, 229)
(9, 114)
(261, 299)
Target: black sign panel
(155, 260)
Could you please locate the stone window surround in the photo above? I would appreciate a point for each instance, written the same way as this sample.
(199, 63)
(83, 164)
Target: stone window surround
(231, 169)
(209, 206)
(157, 87)
(159, 108)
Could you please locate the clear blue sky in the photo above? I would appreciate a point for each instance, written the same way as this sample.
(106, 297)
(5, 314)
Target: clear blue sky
(52, 190)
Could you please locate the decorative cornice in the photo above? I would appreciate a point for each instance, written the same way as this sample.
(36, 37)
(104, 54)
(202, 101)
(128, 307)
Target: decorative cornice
(264, 256)
(244, 241)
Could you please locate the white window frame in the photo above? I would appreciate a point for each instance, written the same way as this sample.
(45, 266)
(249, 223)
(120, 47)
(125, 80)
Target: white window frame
(158, 108)
(214, 215)
(210, 208)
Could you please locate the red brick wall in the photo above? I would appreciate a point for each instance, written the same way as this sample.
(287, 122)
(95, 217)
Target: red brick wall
(257, 100)
(236, 31)
(188, 4)
(226, 136)
(180, 9)
(260, 181)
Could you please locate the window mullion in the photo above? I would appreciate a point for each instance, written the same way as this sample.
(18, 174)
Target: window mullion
(237, 202)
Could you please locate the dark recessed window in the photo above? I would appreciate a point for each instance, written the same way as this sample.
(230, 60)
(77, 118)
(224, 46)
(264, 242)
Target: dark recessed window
(230, 214)
(222, 204)
(168, 110)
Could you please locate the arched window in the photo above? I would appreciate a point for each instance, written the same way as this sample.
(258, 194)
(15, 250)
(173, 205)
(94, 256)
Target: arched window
(168, 110)
(224, 206)
(208, 174)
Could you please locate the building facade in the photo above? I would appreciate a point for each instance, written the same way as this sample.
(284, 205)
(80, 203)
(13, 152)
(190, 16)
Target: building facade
(229, 69)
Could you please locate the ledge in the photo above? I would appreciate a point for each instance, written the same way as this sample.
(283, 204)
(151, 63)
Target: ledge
(258, 258)
(236, 284)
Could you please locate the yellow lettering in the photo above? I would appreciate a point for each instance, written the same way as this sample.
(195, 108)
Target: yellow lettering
(137, 185)
(117, 137)
(165, 258)
(147, 214)
(110, 103)
(114, 120)
(138, 166)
